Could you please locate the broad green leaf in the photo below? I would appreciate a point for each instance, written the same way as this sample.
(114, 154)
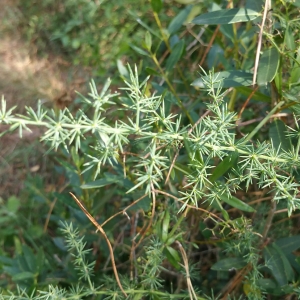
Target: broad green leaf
(196, 10)
(224, 166)
(237, 203)
(172, 256)
(29, 258)
(225, 214)
(289, 39)
(35, 231)
(156, 5)
(147, 27)
(109, 179)
(256, 5)
(176, 53)
(268, 66)
(277, 134)
(174, 238)
(151, 71)
(139, 50)
(177, 21)
(294, 2)
(267, 284)
(140, 205)
(294, 261)
(59, 242)
(13, 204)
(228, 264)
(6, 260)
(256, 96)
(278, 264)
(66, 199)
(295, 72)
(289, 244)
(23, 276)
(227, 79)
(40, 260)
(226, 16)
(5, 220)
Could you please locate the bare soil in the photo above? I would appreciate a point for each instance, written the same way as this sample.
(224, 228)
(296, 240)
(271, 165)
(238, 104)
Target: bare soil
(26, 78)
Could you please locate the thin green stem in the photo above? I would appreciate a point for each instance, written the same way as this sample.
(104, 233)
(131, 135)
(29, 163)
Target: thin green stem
(263, 122)
(164, 37)
(165, 77)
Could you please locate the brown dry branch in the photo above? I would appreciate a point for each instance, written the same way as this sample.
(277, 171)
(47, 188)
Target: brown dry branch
(99, 228)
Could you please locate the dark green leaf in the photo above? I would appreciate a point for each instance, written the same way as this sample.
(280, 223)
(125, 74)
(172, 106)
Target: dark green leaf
(278, 264)
(151, 71)
(268, 65)
(289, 39)
(60, 243)
(294, 2)
(139, 50)
(226, 16)
(289, 244)
(277, 134)
(13, 204)
(156, 5)
(29, 258)
(109, 179)
(177, 22)
(227, 264)
(23, 276)
(237, 203)
(176, 53)
(267, 284)
(224, 166)
(294, 261)
(227, 79)
(172, 256)
(6, 260)
(66, 199)
(295, 72)
(148, 28)
(256, 96)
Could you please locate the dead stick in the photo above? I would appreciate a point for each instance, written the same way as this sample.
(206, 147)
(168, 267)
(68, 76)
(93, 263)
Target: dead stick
(105, 237)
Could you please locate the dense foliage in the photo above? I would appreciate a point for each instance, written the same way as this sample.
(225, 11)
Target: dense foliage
(189, 174)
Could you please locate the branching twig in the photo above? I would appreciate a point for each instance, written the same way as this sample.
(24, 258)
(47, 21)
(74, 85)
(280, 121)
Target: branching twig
(111, 252)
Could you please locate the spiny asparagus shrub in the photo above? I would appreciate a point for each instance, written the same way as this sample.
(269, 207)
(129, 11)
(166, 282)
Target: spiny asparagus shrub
(178, 185)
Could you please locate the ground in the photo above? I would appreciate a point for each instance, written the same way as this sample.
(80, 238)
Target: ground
(26, 78)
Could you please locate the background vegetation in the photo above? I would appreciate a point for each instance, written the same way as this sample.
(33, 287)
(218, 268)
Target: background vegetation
(186, 160)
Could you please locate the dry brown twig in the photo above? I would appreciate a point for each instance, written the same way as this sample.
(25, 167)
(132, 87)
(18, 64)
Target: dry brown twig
(188, 277)
(99, 228)
(266, 9)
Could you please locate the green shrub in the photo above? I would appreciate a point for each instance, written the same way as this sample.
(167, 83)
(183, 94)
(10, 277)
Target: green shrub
(167, 176)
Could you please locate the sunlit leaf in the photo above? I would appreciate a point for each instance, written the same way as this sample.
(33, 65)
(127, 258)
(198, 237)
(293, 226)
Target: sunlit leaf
(226, 16)
(227, 79)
